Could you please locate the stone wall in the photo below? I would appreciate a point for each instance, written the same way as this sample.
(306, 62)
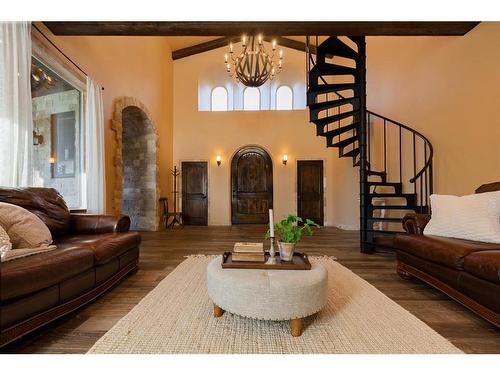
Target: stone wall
(139, 169)
(118, 126)
(43, 107)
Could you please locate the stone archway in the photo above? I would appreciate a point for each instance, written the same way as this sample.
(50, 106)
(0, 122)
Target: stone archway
(136, 189)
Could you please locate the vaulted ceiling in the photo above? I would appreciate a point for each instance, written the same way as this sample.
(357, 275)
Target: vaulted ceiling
(297, 43)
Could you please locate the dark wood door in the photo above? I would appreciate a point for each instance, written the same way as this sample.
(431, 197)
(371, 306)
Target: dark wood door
(194, 193)
(310, 190)
(251, 186)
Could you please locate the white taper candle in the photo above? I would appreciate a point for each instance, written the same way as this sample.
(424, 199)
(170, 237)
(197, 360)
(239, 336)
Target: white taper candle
(271, 223)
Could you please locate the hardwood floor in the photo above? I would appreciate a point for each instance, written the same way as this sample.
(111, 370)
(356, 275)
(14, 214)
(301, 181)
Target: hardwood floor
(162, 251)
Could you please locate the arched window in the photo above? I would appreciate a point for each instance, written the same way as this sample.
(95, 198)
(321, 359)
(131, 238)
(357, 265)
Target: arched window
(284, 98)
(251, 99)
(218, 99)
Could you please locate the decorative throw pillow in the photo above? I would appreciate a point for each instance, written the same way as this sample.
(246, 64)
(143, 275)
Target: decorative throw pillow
(473, 217)
(5, 244)
(22, 253)
(24, 228)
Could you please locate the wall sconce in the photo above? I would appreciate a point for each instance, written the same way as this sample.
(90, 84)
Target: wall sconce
(285, 159)
(219, 160)
(52, 160)
(37, 139)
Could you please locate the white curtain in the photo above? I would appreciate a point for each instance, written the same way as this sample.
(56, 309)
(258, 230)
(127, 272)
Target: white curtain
(94, 148)
(16, 125)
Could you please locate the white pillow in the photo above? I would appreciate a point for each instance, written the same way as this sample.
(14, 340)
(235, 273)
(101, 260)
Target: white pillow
(5, 244)
(473, 217)
(24, 228)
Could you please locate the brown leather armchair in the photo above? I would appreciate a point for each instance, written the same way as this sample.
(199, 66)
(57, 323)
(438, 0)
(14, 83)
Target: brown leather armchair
(94, 252)
(467, 271)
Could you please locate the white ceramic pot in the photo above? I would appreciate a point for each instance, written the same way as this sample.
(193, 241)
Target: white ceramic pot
(286, 251)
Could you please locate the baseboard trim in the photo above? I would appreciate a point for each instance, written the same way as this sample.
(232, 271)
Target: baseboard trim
(339, 226)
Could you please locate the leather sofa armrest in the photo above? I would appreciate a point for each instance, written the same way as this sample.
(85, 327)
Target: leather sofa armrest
(98, 224)
(415, 223)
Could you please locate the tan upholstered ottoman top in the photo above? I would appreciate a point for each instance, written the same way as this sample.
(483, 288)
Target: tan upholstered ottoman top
(267, 294)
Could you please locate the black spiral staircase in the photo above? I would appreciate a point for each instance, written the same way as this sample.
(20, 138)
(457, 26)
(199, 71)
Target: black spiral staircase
(395, 161)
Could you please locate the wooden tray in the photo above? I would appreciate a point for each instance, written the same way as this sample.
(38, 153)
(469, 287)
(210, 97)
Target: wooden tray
(299, 262)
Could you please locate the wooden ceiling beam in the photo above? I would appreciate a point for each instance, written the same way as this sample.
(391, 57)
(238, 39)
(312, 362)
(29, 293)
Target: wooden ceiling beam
(221, 42)
(216, 28)
(204, 47)
(290, 43)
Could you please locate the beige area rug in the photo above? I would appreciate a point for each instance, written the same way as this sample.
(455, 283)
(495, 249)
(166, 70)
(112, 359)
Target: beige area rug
(176, 317)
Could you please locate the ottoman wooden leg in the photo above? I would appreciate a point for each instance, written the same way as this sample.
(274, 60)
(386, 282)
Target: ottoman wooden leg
(296, 327)
(218, 311)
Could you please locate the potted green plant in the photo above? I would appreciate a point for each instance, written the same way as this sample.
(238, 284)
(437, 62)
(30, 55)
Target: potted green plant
(289, 233)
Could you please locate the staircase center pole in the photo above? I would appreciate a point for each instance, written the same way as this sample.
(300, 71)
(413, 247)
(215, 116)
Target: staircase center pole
(365, 237)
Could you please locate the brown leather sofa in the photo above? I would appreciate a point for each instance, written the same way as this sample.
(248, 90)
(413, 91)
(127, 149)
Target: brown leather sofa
(93, 253)
(467, 271)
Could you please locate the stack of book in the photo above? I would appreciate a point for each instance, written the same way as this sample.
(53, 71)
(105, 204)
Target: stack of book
(248, 252)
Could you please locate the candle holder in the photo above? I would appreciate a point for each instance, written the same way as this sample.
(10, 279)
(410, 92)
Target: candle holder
(272, 254)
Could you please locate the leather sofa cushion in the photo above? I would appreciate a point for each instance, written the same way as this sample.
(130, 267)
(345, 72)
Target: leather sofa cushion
(23, 308)
(446, 251)
(482, 291)
(484, 264)
(104, 246)
(30, 274)
(128, 257)
(445, 274)
(46, 203)
(105, 271)
(76, 286)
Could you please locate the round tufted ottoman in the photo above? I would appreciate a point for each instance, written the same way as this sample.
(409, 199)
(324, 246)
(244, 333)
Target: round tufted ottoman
(267, 294)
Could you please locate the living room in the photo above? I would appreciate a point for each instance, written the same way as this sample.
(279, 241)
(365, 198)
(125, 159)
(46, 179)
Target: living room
(159, 175)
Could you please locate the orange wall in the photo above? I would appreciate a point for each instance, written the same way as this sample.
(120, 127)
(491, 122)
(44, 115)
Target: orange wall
(445, 87)
(448, 88)
(139, 67)
(201, 135)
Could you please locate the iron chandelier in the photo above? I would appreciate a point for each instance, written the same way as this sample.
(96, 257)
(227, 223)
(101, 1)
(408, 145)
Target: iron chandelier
(253, 66)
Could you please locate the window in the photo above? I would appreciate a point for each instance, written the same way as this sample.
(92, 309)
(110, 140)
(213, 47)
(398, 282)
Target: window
(284, 98)
(251, 99)
(57, 134)
(218, 99)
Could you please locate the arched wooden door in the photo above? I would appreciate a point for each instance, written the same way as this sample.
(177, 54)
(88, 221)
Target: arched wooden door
(251, 186)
